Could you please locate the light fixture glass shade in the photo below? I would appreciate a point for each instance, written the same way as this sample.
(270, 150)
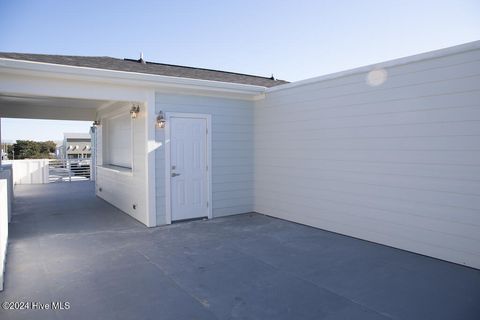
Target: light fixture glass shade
(161, 120)
(134, 111)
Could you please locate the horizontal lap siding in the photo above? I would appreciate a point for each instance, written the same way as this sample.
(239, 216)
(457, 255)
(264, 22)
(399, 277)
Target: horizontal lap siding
(120, 189)
(397, 164)
(232, 151)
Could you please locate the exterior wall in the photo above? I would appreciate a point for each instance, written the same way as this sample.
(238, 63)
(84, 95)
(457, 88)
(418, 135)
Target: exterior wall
(6, 174)
(123, 188)
(4, 199)
(232, 151)
(29, 171)
(397, 163)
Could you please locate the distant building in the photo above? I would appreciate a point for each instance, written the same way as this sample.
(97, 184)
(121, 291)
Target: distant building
(75, 146)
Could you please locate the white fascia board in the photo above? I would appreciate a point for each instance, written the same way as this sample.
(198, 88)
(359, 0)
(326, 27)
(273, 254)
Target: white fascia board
(471, 46)
(23, 67)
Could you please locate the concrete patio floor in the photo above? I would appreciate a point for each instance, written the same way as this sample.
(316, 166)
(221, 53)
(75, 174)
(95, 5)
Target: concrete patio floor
(66, 245)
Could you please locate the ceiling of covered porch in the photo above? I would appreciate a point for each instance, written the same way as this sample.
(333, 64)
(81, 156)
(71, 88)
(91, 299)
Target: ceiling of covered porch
(54, 108)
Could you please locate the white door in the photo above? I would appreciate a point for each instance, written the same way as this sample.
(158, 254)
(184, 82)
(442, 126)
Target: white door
(188, 160)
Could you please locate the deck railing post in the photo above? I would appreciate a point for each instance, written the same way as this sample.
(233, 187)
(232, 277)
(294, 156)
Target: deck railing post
(69, 166)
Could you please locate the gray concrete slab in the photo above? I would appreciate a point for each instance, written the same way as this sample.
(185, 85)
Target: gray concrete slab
(67, 245)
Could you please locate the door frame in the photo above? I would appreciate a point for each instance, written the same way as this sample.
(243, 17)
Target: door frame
(168, 193)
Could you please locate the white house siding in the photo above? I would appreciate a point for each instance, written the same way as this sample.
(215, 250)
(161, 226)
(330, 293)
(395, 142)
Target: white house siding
(232, 151)
(124, 189)
(397, 164)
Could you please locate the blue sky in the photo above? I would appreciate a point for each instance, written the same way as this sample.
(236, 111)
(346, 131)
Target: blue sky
(294, 40)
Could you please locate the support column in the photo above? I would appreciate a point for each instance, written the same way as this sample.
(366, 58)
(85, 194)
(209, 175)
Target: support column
(150, 146)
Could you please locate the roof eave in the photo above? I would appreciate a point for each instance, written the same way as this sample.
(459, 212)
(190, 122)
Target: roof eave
(14, 66)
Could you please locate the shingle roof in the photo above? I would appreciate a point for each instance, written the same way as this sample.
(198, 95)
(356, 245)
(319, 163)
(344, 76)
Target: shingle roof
(130, 65)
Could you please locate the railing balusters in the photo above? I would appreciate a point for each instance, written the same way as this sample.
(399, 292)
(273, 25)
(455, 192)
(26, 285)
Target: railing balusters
(73, 169)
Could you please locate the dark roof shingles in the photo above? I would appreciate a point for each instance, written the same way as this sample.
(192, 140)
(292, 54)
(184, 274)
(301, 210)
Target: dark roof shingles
(129, 65)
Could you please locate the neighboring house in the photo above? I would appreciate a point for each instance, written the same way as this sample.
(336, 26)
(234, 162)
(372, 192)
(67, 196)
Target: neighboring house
(387, 153)
(75, 146)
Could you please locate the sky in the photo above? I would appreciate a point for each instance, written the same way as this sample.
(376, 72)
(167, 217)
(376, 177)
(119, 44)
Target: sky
(293, 40)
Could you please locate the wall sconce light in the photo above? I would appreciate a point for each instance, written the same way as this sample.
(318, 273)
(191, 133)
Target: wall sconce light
(161, 120)
(134, 111)
(96, 123)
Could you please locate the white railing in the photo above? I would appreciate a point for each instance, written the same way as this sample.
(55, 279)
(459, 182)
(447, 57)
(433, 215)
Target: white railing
(38, 171)
(60, 170)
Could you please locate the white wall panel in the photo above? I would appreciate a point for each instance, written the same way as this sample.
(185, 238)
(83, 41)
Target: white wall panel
(232, 151)
(4, 219)
(123, 188)
(29, 171)
(397, 164)
(120, 140)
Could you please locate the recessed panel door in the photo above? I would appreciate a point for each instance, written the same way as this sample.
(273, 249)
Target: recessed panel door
(188, 160)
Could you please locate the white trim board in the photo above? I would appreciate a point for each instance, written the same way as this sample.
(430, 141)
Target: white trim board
(168, 195)
(150, 163)
(466, 47)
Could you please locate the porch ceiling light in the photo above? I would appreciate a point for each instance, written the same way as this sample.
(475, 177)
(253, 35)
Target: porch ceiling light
(134, 111)
(161, 120)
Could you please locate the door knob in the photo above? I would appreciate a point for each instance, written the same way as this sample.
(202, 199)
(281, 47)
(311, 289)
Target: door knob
(175, 174)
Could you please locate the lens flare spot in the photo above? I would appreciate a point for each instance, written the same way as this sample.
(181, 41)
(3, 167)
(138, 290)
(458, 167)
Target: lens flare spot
(377, 77)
